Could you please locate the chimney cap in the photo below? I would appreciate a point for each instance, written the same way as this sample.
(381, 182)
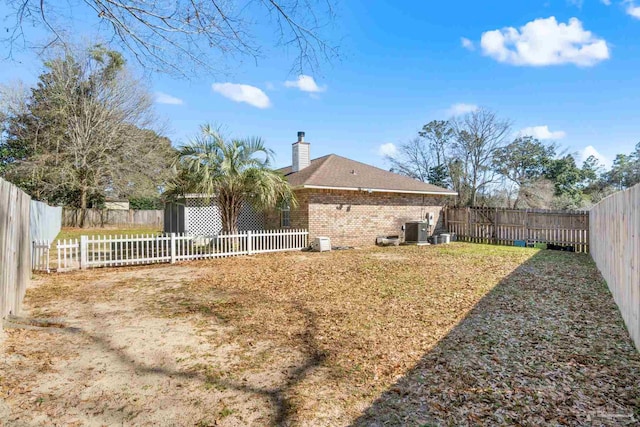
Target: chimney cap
(300, 136)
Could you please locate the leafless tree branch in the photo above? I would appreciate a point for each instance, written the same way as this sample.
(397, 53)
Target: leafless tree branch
(185, 36)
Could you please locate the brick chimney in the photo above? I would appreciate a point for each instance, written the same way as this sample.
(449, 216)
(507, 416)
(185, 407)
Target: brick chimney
(300, 154)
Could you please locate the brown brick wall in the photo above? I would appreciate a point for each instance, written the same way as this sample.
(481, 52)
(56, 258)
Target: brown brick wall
(356, 218)
(299, 215)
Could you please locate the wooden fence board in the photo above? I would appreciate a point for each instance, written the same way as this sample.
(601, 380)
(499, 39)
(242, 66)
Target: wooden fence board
(15, 247)
(615, 248)
(108, 217)
(505, 226)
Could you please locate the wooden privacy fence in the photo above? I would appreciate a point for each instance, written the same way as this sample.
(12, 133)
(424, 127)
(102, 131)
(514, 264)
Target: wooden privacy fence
(15, 260)
(106, 217)
(504, 226)
(615, 248)
(113, 251)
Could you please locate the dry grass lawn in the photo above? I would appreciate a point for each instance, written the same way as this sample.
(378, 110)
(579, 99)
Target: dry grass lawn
(442, 335)
(76, 232)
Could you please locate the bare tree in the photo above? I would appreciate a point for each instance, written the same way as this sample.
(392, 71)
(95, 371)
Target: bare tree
(87, 131)
(171, 35)
(427, 158)
(478, 135)
(98, 120)
(13, 99)
(13, 102)
(438, 134)
(413, 159)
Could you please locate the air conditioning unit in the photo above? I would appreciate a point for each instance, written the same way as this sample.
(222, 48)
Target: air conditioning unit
(416, 232)
(321, 244)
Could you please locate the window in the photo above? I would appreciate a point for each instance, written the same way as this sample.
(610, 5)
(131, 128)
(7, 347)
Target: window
(285, 216)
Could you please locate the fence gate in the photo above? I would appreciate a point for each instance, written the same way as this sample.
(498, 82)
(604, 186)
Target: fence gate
(40, 255)
(68, 255)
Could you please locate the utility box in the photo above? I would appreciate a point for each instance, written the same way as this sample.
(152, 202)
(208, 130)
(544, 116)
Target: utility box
(321, 244)
(430, 219)
(416, 232)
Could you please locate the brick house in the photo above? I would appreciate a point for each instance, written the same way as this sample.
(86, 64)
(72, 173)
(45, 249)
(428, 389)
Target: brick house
(351, 202)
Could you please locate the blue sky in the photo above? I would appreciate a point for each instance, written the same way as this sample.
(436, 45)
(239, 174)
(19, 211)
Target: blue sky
(565, 70)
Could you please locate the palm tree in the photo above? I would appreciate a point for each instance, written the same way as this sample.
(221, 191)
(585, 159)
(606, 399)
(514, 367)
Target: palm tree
(231, 173)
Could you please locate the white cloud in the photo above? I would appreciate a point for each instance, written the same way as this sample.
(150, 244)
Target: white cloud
(163, 98)
(461, 109)
(591, 151)
(305, 84)
(606, 2)
(544, 42)
(577, 3)
(467, 44)
(388, 149)
(243, 93)
(633, 10)
(542, 133)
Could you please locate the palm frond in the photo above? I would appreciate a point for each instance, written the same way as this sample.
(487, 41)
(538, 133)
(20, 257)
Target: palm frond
(235, 171)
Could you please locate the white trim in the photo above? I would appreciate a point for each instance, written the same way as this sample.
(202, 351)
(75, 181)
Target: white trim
(196, 196)
(376, 190)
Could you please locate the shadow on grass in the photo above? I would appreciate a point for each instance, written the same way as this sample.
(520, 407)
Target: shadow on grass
(546, 346)
(278, 397)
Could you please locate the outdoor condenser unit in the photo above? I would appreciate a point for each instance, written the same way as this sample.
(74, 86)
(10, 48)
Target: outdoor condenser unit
(416, 232)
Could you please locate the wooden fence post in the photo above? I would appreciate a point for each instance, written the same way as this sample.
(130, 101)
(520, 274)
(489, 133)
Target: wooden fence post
(445, 220)
(249, 243)
(496, 227)
(468, 224)
(173, 248)
(34, 255)
(84, 255)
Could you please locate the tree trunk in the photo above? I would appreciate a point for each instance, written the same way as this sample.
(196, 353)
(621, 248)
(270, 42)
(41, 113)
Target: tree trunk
(474, 188)
(83, 206)
(229, 221)
(230, 211)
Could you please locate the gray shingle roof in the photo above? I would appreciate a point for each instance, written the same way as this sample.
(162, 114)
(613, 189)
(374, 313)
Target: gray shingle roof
(334, 171)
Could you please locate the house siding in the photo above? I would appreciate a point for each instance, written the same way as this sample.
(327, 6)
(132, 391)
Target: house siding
(354, 218)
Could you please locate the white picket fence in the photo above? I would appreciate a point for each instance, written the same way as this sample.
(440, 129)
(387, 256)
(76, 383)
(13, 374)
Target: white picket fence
(68, 255)
(112, 251)
(40, 255)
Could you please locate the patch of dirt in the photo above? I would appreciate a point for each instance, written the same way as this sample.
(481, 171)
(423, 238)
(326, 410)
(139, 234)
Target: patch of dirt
(462, 334)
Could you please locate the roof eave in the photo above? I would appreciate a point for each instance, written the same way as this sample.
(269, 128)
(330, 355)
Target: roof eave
(375, 190)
